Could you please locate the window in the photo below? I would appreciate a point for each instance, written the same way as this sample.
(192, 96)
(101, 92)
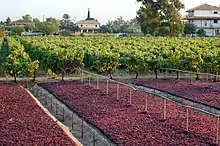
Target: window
(215, 12)
(96, 25)
(81, 25)
(215, 21)
(205, 23)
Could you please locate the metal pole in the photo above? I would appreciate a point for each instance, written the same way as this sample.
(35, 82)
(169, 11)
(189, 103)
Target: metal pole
(89, 81)
(164, 109)
(118, 92)
(130, 102)
(45, 100)
(217, 128)
(81, 76)
(63, 114)
(107, 87)
(82, 129)
(94, 139)
(51, 105)
(166, 74)
(56, 110)
(146, 102)
(72, 120)
(97, 83)
(187, 119)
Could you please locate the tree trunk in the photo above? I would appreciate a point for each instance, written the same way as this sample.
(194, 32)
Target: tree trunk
(177, 74)
(136, 74)
(15, 77)
(34, 77)
(215, 78)
(110, 74)
(155, 71)
(63, 75)
(197, 76)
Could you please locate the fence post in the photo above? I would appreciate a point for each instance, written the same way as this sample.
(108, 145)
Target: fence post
(118, 92)
(107, 87)
(130, 96)
(97, 83)
(217, 126)
(187, 119)
(164, 109)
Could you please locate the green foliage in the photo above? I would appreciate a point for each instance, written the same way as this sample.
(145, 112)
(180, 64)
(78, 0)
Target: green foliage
(190, 28)
(17, 60)
(201, 33)
(152, 14)
(51, 74)
(51, 25)
(27, 17)
(17, 30)
(133, 54)
(33, 67)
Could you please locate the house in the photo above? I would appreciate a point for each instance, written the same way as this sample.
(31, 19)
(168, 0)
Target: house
(89, 25)
(21, 22)
(205, 17)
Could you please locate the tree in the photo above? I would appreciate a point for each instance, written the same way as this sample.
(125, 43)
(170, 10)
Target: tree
(153, 13)
(2, 30)
(27, 17)
(17, 30)
(51, 25)
(201, 33)
(8, 21)
(29, 28)
(190, 28)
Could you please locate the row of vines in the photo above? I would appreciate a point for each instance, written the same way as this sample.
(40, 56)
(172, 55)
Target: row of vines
(105, 54)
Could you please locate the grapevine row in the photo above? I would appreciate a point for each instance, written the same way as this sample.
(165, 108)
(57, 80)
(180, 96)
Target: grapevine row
(105, 54)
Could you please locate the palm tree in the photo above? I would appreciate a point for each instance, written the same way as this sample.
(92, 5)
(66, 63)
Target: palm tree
(66, 20)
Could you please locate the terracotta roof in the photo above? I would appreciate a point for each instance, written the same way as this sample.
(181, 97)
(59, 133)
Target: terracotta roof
(88, 22)
(21, 21)
(204, 7)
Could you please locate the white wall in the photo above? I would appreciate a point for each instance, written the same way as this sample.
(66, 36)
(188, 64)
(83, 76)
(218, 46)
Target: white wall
(89, 26)
(206, 23)
(203, 13)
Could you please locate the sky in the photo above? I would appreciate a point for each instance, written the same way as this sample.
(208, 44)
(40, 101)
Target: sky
(103, 10)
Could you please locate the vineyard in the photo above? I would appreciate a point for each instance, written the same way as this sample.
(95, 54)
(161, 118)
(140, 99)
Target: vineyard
(121, 111)
(134, 55)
